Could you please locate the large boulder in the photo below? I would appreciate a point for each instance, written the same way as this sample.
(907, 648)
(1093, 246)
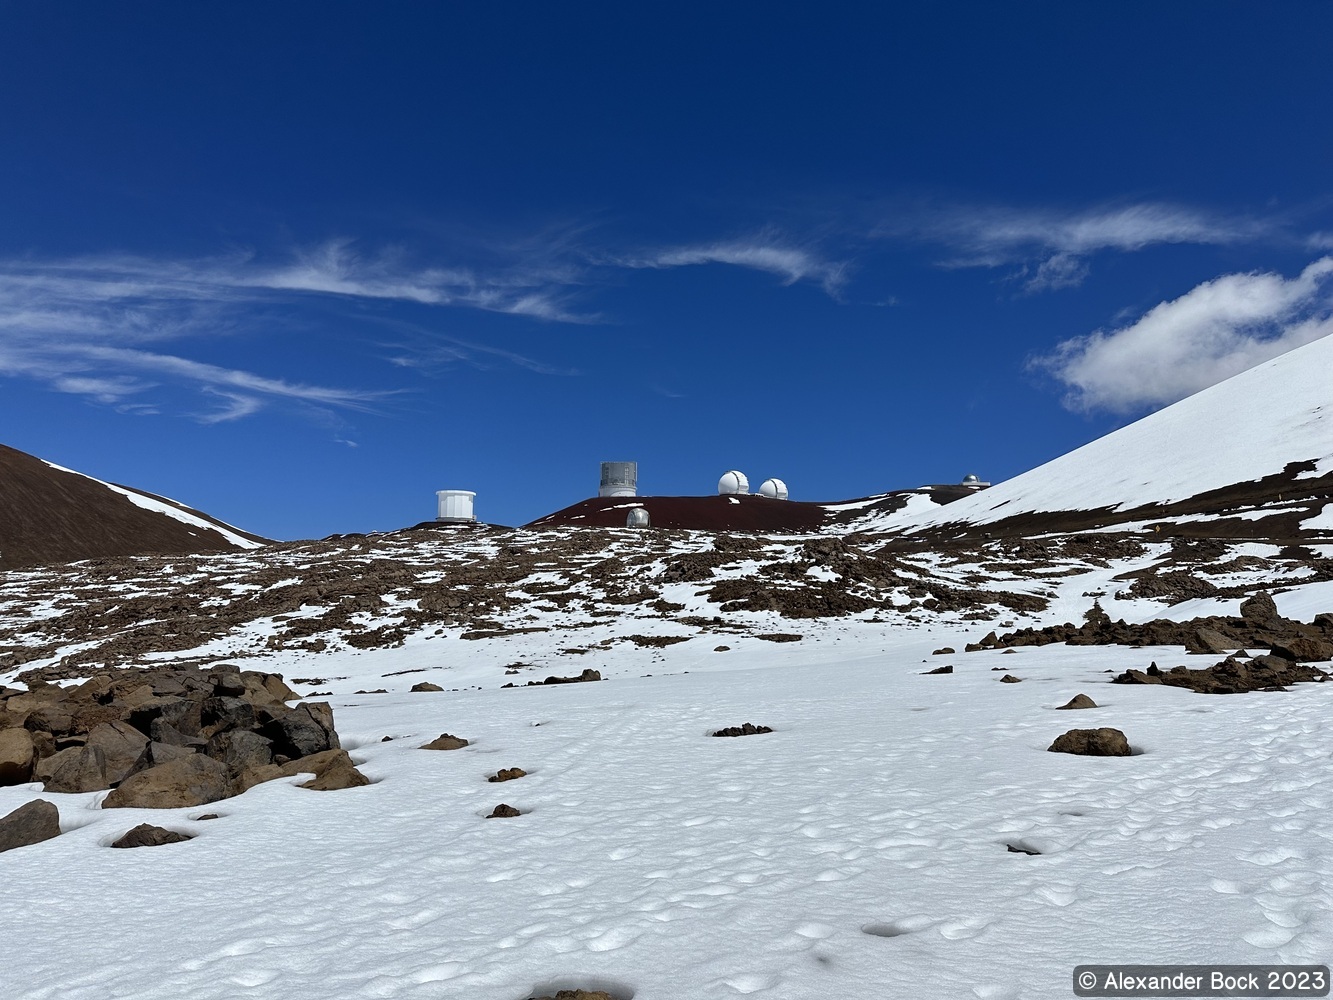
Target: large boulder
(16, 756)
(1079, 701)
(78, 769)
(1304, 649)
(121, 745)
(192, 780)
(156, 754)
(29, 824)
(1104, 742)
(240, 749)
(307, 729)
(333, 770)
(445, 741)
(1261, 612)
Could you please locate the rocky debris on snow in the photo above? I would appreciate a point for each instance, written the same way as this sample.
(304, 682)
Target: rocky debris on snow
(576, 995)
(508, 774)
(1079, 701)
(655, 641)
(721, 649)
(749, 729)
(588, 675)
(503, 811)
(147, 835)
(943, 651)
(1104, 742)
(1231, 676)
(446, 742)
(1010, 679)
(1259, 625)
(939, 670)
(1016, 849)
(163, 737)
(29, 824)
(425, 686)
(780, 637)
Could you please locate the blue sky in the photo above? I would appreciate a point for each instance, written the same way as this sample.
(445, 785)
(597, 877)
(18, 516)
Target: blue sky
(303, 264)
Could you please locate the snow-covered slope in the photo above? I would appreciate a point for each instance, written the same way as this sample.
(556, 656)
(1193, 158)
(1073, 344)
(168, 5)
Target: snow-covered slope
(1259, 444)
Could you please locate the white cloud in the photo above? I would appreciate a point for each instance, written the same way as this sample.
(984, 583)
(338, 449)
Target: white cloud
(1051, 247)
(765, 252)
(1216, 330)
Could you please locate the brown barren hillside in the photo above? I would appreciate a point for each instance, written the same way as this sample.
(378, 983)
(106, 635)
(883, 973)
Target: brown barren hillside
(50, 515)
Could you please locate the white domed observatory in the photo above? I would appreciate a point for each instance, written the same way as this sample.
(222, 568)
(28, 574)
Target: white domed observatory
(971, 480)
(619, 479)
(637, 518)
(774, 489)
(455, 506)
(733, 482)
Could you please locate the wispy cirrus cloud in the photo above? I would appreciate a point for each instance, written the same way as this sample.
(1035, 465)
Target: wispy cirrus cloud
(1217, 329)
(1051, 248)
(765, 251)
(114, 327)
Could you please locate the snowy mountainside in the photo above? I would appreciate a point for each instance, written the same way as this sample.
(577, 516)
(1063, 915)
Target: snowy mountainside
(50, 514)
(1250, 457)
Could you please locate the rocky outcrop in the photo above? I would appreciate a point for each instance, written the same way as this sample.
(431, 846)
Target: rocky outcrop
(167, 737)
(508, 774)
(1231, 676)
(1103, 742)
(503, 811)
(29, 824)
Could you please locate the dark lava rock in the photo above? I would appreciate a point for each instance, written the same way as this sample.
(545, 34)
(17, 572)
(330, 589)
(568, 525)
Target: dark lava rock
(17, 753)
(587, 675)
(446, 742)
(780, 637)
(576, 995)
(943, 651)
(78, 769)
(147, 835)
(1303, 649)
(1260, 610)
(1013, 849)
(192, 780)
(1079, 701)
(508, 774)
(749, 729)
(1104, 742)
(939, 670)
(503, 811)
(1010, 679)
(1231, 676)
(721, 649)
(426, 686)
(29, 824)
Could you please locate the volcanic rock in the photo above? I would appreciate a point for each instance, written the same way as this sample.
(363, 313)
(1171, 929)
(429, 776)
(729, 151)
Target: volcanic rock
(192, 780)
(1260, 611)
(426, 686)
(1104, 742)
(121, 745)
(305, 730)
(1231, 676)
(333, 770)
(446, 742)
(503, 811)
(16, 756)
(1010, 679)
(147, 835)
(29, 824)
(939, 670)
(78, 769)
(1079, 701)
(1304, 649)
(508, 774)
(588, 675)
(577, 995)
(749, 729)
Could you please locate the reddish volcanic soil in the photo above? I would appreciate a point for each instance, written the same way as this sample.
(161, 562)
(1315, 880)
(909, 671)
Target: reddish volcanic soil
(49, 516)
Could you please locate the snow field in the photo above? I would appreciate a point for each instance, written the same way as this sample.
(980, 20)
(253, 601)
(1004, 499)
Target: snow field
(861, 848)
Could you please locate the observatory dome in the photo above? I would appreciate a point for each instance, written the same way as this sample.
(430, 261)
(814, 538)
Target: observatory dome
(775, 489)
(971, 480)
(455, 506)
(733, 482)
(637, 518)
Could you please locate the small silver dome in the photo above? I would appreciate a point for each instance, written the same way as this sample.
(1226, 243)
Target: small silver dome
(637, 518)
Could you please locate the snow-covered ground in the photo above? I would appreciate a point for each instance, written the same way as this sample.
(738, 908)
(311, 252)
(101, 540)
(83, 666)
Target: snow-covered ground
(860, 850)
